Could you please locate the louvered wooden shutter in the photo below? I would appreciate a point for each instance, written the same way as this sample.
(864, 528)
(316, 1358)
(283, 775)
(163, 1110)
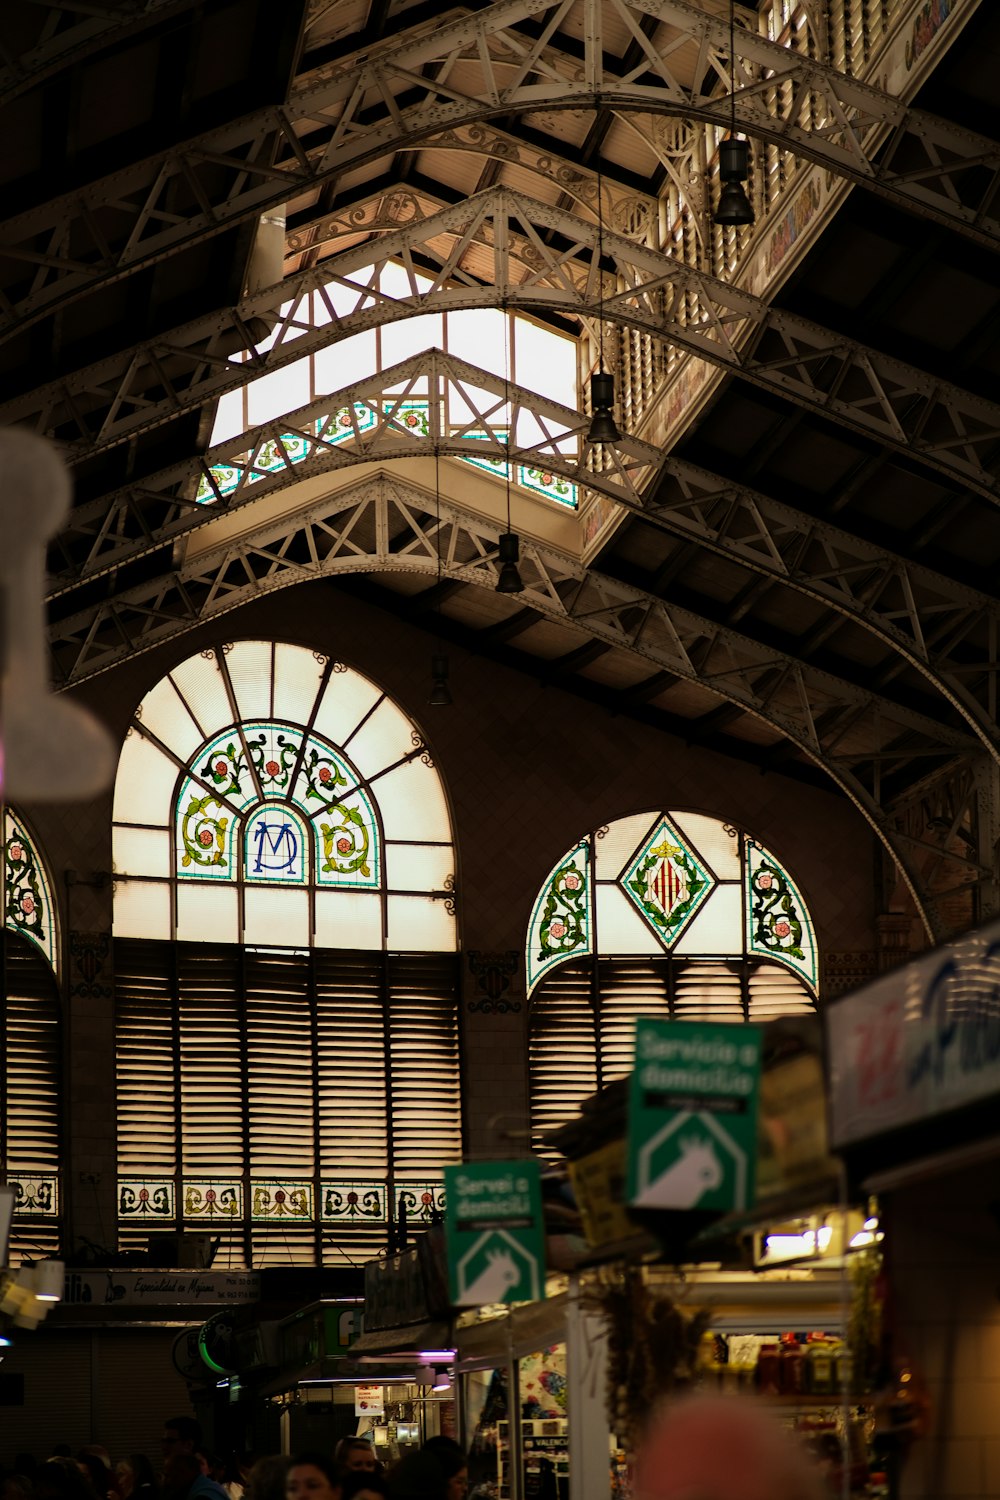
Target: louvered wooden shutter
(708, 990)
(563, 1048)
(280, 1065)
(211, 1060)
(628, 987)
(32, 1063)
(147, 1089)
(351, 1031)
(775, 991)
(423, 1065)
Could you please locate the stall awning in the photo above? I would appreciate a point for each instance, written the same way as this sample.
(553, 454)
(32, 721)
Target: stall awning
(410, 1339)
(522, 1331)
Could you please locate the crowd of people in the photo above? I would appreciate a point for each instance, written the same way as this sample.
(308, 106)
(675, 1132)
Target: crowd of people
(188, 1471)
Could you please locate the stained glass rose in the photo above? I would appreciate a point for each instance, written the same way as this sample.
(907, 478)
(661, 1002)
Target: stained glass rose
(325, 775)
(221, 768)
(27, 904)
(205, 837)
(272, 768)
(15, 852)
(782, 928)
(344, 845)
(572, 881)
(411, 419)
(547, 478)
(557, 929)
(764, 881)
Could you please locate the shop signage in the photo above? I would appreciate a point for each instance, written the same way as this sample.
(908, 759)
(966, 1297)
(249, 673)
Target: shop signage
(598, 1181)
(159, 1288)
(692, 1137)
(495, 1232)
(369, 1401)
(921, 1040)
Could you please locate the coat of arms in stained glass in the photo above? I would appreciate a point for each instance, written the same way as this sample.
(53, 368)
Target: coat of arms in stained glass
(667, 882)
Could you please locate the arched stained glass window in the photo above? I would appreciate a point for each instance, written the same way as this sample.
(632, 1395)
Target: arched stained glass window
(285, 969)
(663, 913)
(29, 1116)
(269, 796)
(30, 909)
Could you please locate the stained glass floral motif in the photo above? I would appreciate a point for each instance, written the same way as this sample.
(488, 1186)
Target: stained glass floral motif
(28, 896)
(145, 1198)
(560, 922)
(420, 1203)
(667, 882)
(778, 924)
(37, 1194)
(347, 1202)
(279, 1202)
(213, 1200)
(293, 448)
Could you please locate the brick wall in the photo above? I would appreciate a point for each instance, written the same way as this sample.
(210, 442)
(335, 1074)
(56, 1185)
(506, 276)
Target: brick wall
(529, 768)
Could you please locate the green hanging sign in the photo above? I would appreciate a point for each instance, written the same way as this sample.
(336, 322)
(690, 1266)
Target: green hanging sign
(495, 1232)
(692, 1129)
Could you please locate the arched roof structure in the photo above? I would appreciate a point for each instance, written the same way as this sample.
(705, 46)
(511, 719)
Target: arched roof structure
(791, 554)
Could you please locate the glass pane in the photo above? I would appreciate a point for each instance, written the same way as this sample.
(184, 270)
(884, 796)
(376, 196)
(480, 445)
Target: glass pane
(418, 924)
(544, 362)
(141, 851)
(382, 739)
(423, 867)
(29, 906)
(347, 699)
(718, 927)
(560, 925)
(296, 682)
(719, 850)
(411, 336)
(165, 714)
(778, 923)
(348, 919)
(340, 365)
(283, 390)
(144, 786)
(620, 929)
(613, 851)
(277, 917)
(142, 909)
(249, 664)
(477, 335)
(666, 882)
(205, 835)
(412, 802)
(207, 913)
(229, 418)
(200, 683)
(276, 846)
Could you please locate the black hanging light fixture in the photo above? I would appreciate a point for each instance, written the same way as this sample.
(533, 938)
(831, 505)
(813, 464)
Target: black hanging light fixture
(734, 207)
(509, 579)
(603, 428)
(440, 694)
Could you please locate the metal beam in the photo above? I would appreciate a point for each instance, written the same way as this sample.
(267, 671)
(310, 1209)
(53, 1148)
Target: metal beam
(384, 525)
(941, 627)
(401, 91)
(886, 400)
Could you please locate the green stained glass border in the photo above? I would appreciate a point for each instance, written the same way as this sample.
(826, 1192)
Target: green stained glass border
(29, 907)
(269, 862)
(339, 427)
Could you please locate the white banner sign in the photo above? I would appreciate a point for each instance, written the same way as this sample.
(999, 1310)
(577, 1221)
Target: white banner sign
(922, 1040)
(159, 1288)
(369, 1401)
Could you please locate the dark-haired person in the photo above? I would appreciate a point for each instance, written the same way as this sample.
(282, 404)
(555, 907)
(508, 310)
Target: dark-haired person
(355, 1455)
(312, 1476)
(362, 1485)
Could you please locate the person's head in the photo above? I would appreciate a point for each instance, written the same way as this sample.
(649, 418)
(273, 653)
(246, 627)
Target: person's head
(180, 1435)
(142, 1471)
(362, 1485)
(418, 1476)
(312, 1476)
(266, 1480)
(94, 1470)
(454, 1464)
(722, 1448)
(355, 1455)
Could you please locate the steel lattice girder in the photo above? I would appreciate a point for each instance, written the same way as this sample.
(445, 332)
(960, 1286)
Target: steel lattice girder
(136, 216)
(94, 26)
(915, 612)
(384, 525)
(945, 428)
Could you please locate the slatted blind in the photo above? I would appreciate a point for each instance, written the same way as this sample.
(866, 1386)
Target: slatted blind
(211, 1068)
(583, 1024)
(423, 1060)
(32, 1060)
(286, 1067)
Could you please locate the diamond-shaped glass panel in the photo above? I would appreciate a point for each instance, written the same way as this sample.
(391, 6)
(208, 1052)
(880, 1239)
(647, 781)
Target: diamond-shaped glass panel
(667, 882)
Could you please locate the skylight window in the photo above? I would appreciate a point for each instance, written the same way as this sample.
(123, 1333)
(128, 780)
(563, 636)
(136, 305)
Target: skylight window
(504, 345)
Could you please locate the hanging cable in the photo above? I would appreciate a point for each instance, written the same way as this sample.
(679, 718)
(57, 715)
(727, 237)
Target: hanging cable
(509, 576)
(734, 207)
(603, 428)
